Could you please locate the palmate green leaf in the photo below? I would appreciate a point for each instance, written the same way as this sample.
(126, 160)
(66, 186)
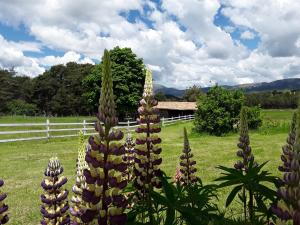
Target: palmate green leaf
(232, 194)
(170, 216)
(168, 190)
(160, 199)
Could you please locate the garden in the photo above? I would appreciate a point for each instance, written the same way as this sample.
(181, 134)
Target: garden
(170, 175)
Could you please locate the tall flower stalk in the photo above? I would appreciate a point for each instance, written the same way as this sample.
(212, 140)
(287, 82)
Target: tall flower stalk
(3, 207)
(78, 204)
(147, 151)
(187, 164)
(288, 148)
(104, 178)
(55, 205)
(288, 208)
(245, 153)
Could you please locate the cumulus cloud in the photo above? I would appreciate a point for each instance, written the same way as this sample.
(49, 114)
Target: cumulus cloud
(181, 42)
(247, 35)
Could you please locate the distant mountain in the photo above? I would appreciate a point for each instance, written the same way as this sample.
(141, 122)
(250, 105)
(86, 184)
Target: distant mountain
(279, 85)
(168, 91)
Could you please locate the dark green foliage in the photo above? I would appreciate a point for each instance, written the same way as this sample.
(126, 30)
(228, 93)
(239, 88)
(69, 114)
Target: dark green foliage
(273, 100)
(176, 204)
(14, 88)
(20, 107)
(128, 73)
(191, 94)
(252, 187)
(254, 117)
(59, 90)
(160, 96)
(218, 111)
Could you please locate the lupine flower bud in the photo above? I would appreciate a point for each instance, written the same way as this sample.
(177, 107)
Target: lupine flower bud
(245, 149)
(3, 207)
(78, 204)
(288, 208)
(104, 201)
(55, 204)
(187, 164)
(147, 152)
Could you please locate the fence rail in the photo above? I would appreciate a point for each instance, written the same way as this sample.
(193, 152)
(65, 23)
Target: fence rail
(84, 127)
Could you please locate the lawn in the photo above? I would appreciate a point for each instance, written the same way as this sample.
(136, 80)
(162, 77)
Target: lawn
(22, 163)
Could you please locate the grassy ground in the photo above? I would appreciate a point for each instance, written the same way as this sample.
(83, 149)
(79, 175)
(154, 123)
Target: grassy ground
(22, 163)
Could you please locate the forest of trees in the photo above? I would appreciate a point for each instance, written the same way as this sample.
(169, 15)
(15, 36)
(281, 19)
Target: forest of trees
(73, 89)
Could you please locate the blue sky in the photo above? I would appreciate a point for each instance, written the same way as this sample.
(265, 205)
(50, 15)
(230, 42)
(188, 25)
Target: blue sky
(184, 42)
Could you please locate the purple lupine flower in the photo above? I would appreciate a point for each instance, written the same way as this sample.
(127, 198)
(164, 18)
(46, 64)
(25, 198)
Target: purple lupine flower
(104, 201)
(245, 152)
(187, 164)
(54, 200)
(147, 160)
(288, 207)
(3, 207)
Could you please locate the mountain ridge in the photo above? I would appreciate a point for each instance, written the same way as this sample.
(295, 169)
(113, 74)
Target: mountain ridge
(279, 85)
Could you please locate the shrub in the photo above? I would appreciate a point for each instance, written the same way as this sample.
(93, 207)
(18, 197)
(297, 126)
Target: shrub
(55, 205)
(218, 111)
(20, 107)
(3, 207)
(254, 117)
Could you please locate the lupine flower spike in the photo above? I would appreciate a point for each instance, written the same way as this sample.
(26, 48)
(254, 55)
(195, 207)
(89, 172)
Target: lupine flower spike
(129, 156)
(3, 207)
(288, 148)
(77, 208)
(288, 208)
(187, 164)
(147, 151)
(245, 151)
(55, 205)
(104, 178)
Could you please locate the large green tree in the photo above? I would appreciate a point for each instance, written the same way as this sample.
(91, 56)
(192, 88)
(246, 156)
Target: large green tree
(218, 111)
(59, 90)
(192, 93)
(128, 73)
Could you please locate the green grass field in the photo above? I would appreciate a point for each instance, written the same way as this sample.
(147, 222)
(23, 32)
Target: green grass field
(22, 163)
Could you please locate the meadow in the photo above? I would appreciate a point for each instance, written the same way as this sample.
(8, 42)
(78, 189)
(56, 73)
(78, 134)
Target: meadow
(22, 163)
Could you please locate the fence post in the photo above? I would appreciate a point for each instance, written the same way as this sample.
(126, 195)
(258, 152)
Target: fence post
(84, 127)
(128, 125)
(184, 117)
(163, 121)
(48, 128)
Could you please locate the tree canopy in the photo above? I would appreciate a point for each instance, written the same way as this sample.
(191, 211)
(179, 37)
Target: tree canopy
(128, 73)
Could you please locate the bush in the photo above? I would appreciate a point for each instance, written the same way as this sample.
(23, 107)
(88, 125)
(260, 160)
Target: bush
(218, 111)
(254, 117)
(20, 107)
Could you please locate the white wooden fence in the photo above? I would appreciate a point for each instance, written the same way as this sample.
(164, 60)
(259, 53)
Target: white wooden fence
(85, 127)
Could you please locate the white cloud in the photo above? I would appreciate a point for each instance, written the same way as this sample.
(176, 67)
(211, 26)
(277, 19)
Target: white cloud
(69, 56)
(191, 50)
(247, 35)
